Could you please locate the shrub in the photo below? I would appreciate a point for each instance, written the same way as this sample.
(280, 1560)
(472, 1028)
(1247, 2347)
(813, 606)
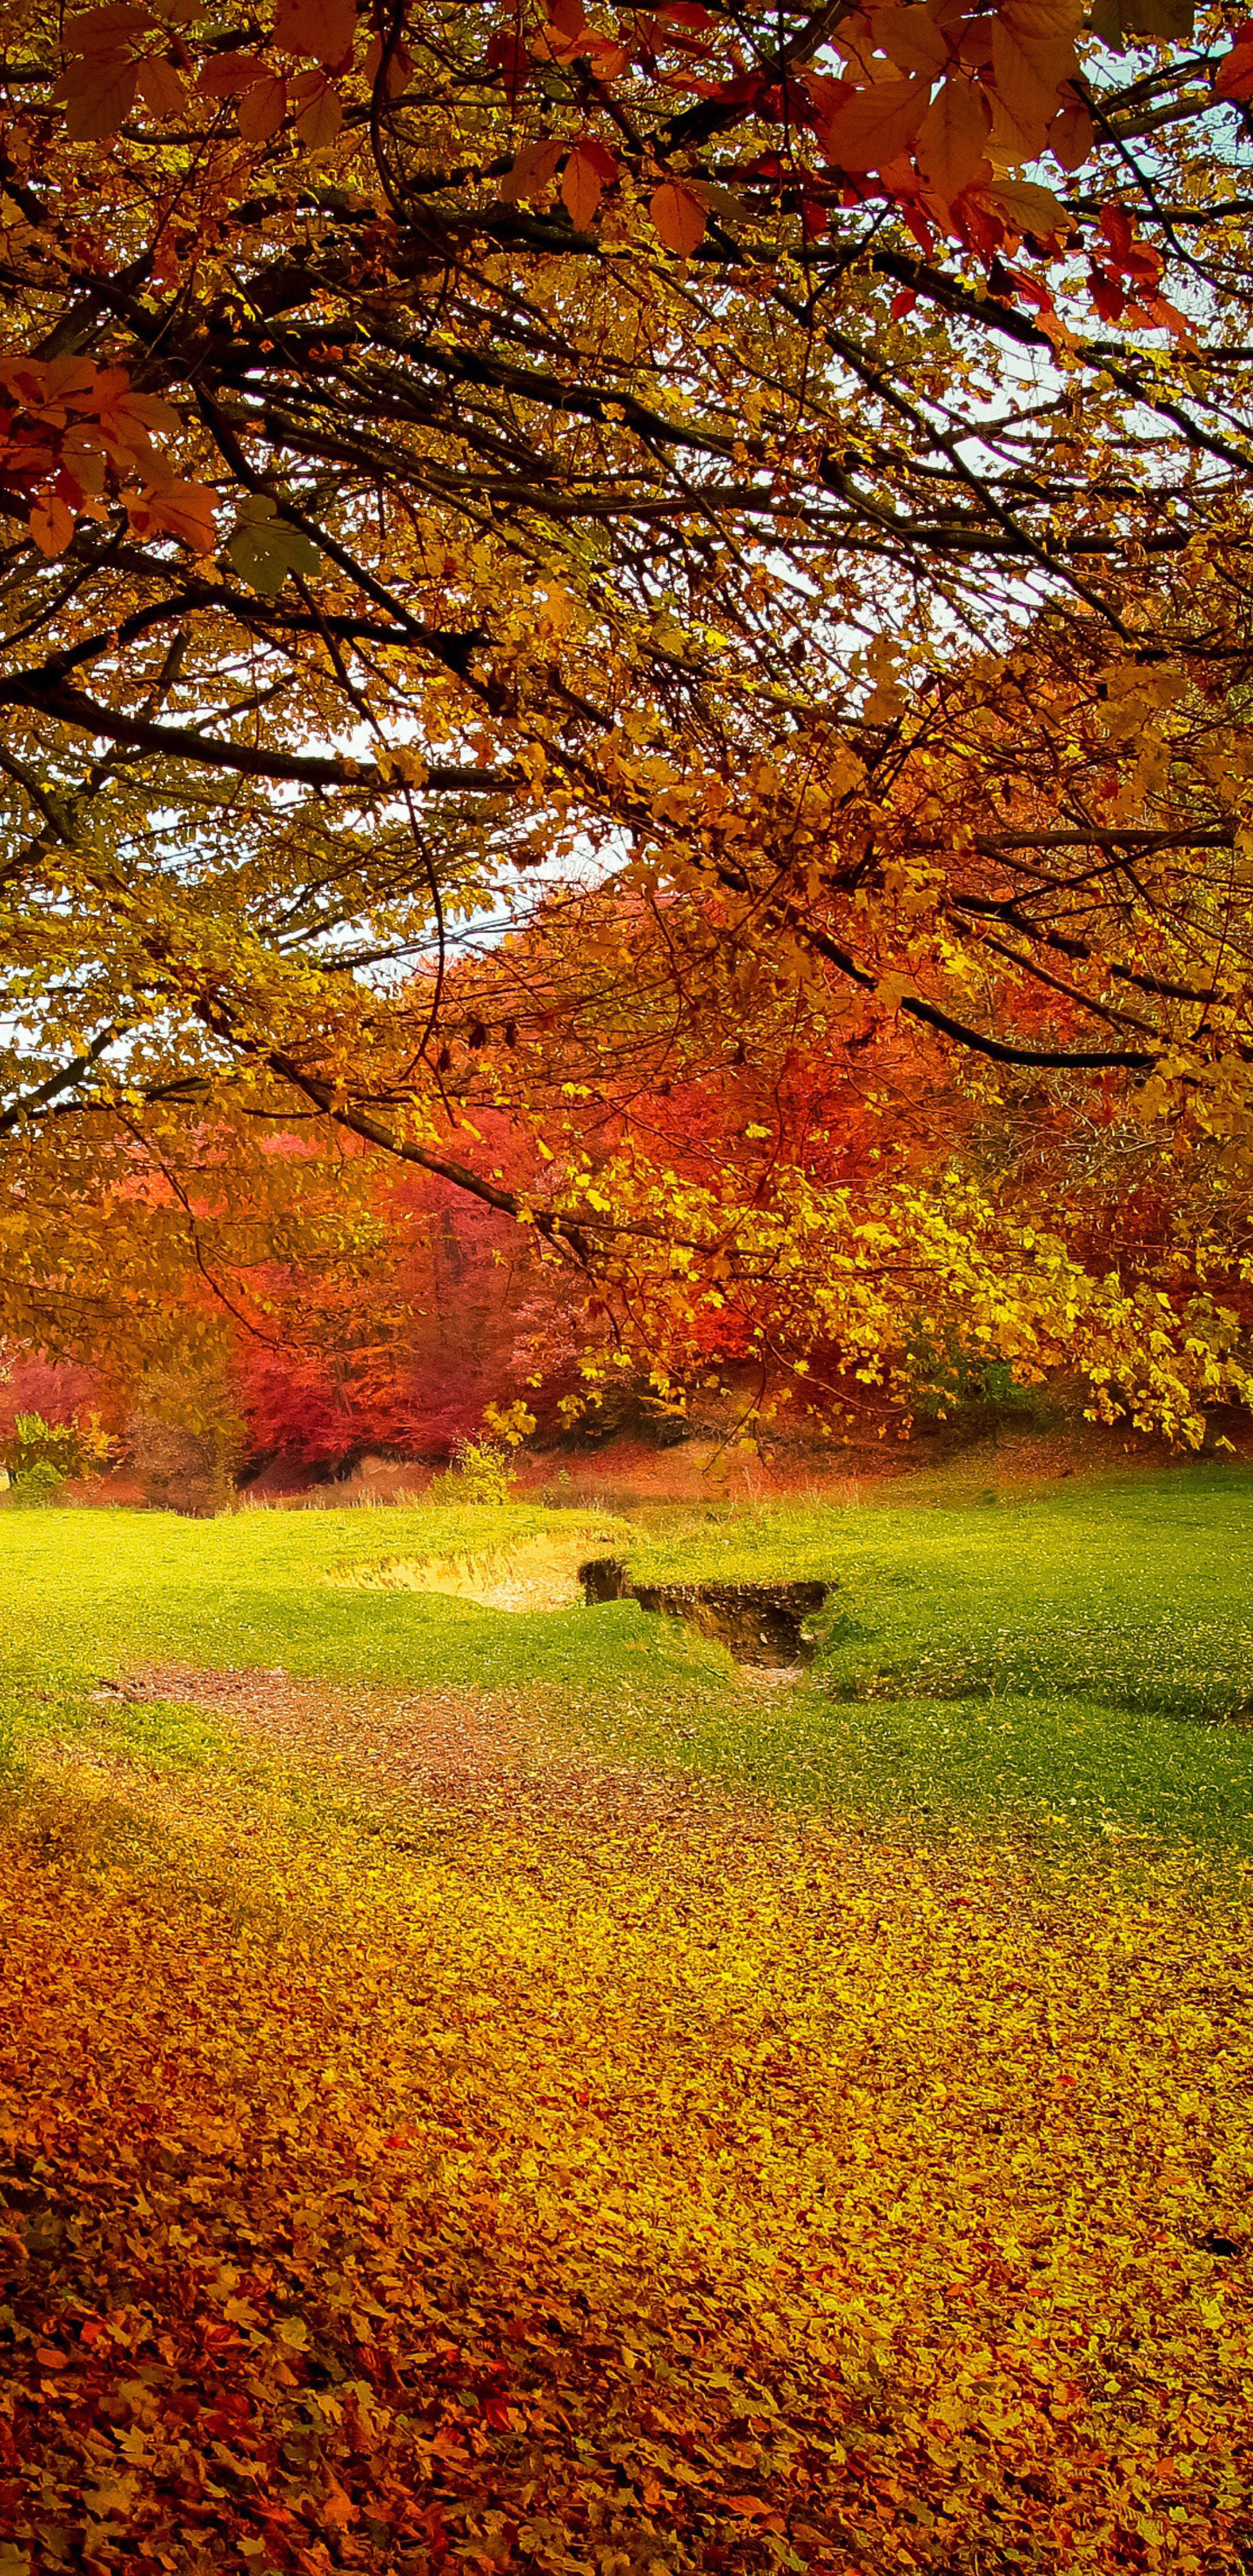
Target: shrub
(68, 1448)
(971, 1390)
(37, 1486)
(184, 1437)
(479, 1473)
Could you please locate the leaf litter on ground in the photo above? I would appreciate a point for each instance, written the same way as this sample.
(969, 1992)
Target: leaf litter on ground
(429, 2144)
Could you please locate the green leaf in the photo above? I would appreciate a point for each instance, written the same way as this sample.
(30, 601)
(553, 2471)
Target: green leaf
(265, 549)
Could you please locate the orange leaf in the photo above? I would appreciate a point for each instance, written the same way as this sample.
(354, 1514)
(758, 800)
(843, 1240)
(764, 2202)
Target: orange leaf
(327, 29)
(99, 93)
(124, 410)
(160, 86)
(535, 166)
(262, 108)
(911, 39)
(321, 120)
(1030, 68)
(52, 526)
(182, 510)
(582, 187)
(74, 381)
(679, 216)
(953, 136)
(878, 124)
(1070, 134)
(1018, 131)
(1038, 22)
(1028, 208)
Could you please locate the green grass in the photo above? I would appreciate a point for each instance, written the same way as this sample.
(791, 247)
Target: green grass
(89, 1594)
(1065, 1660)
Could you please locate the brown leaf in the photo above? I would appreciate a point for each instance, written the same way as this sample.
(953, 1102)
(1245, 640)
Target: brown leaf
(99, 92)
(228, 75)
(160, 86)
(321, 119)
(262, 108)
(326, 29)
(94, 31)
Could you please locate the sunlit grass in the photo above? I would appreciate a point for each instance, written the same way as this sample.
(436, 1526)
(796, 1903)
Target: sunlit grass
(1074, 1660)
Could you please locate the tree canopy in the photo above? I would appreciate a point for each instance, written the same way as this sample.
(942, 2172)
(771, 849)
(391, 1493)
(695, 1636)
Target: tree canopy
(554, 562)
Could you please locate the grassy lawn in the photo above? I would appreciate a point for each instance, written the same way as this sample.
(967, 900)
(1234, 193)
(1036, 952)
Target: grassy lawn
(510, 2090)
(1064, 1660)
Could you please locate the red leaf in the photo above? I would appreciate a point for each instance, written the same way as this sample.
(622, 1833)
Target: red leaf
(508, 55)
(1234, 78)
(1117, 228)
(1107, 295)
(679, 216)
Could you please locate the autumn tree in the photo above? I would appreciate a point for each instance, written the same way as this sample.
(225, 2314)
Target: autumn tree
(792, 460)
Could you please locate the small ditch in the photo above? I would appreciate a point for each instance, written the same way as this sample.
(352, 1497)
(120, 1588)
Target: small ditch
(760, 1623)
